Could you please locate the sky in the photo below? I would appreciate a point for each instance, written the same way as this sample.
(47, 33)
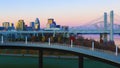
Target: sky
(65, 12)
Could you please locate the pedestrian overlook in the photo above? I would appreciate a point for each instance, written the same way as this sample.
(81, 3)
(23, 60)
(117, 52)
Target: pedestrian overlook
(106, 56)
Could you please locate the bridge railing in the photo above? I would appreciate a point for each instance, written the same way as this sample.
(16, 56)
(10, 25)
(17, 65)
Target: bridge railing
(64, 41)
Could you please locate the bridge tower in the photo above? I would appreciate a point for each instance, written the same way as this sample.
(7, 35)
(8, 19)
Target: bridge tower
(111, 26)
(105, 21)
(105, 27)
(104, 36)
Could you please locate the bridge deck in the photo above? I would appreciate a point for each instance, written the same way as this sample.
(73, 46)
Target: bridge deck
(82, 50)
(70, 31)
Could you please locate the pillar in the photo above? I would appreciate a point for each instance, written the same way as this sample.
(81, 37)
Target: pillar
(71, 43)
(40, 58)
(2, 39)
(116, 50)
(101, 38)
(105, 38)
(105, 21)
(111, 26)
(93, 44)
(26, 40)
(48, 41)
(105, 28)
(81, 59)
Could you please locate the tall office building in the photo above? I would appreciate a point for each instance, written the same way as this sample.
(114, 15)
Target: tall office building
(51, 23)
(37, 24)
(20, 25)
(11, 25)
(32, 25)
(6, 25)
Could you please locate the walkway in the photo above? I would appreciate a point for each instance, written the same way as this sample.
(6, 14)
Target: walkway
(104, 55)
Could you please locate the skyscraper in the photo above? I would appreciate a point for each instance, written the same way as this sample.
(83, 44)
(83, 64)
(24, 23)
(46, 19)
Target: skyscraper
(20, 25)
(32, 24)
(11, 25)
(50, 20)
(37, 24)
(51, 23)
(6, 25)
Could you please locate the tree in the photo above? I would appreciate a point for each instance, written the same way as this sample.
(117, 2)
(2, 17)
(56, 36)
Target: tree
(33, 38)
(43, 38)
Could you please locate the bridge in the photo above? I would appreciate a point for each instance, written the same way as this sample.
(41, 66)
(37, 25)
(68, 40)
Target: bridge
(61, 31)
(81, 52)
(102, 30)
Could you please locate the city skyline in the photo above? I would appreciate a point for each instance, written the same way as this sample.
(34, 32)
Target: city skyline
(75, 12)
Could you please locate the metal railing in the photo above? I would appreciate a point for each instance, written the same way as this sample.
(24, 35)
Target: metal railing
(70, 44)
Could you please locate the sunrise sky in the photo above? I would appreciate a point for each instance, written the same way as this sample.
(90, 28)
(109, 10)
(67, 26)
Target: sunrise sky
(65, 12)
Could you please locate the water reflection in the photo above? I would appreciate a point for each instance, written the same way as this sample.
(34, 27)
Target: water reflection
(97, 38)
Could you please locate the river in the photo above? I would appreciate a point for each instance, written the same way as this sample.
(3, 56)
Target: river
(32, 62)
(97, 37)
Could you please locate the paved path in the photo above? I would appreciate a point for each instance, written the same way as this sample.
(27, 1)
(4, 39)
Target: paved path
(106, 55)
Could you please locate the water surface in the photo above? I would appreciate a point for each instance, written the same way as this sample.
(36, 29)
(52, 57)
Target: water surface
(32, 62)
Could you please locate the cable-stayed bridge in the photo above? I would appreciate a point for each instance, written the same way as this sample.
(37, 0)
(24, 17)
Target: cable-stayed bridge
(100, 27)
(103, 25)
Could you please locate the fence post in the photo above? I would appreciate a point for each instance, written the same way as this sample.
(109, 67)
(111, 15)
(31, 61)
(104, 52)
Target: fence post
(92, 45)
